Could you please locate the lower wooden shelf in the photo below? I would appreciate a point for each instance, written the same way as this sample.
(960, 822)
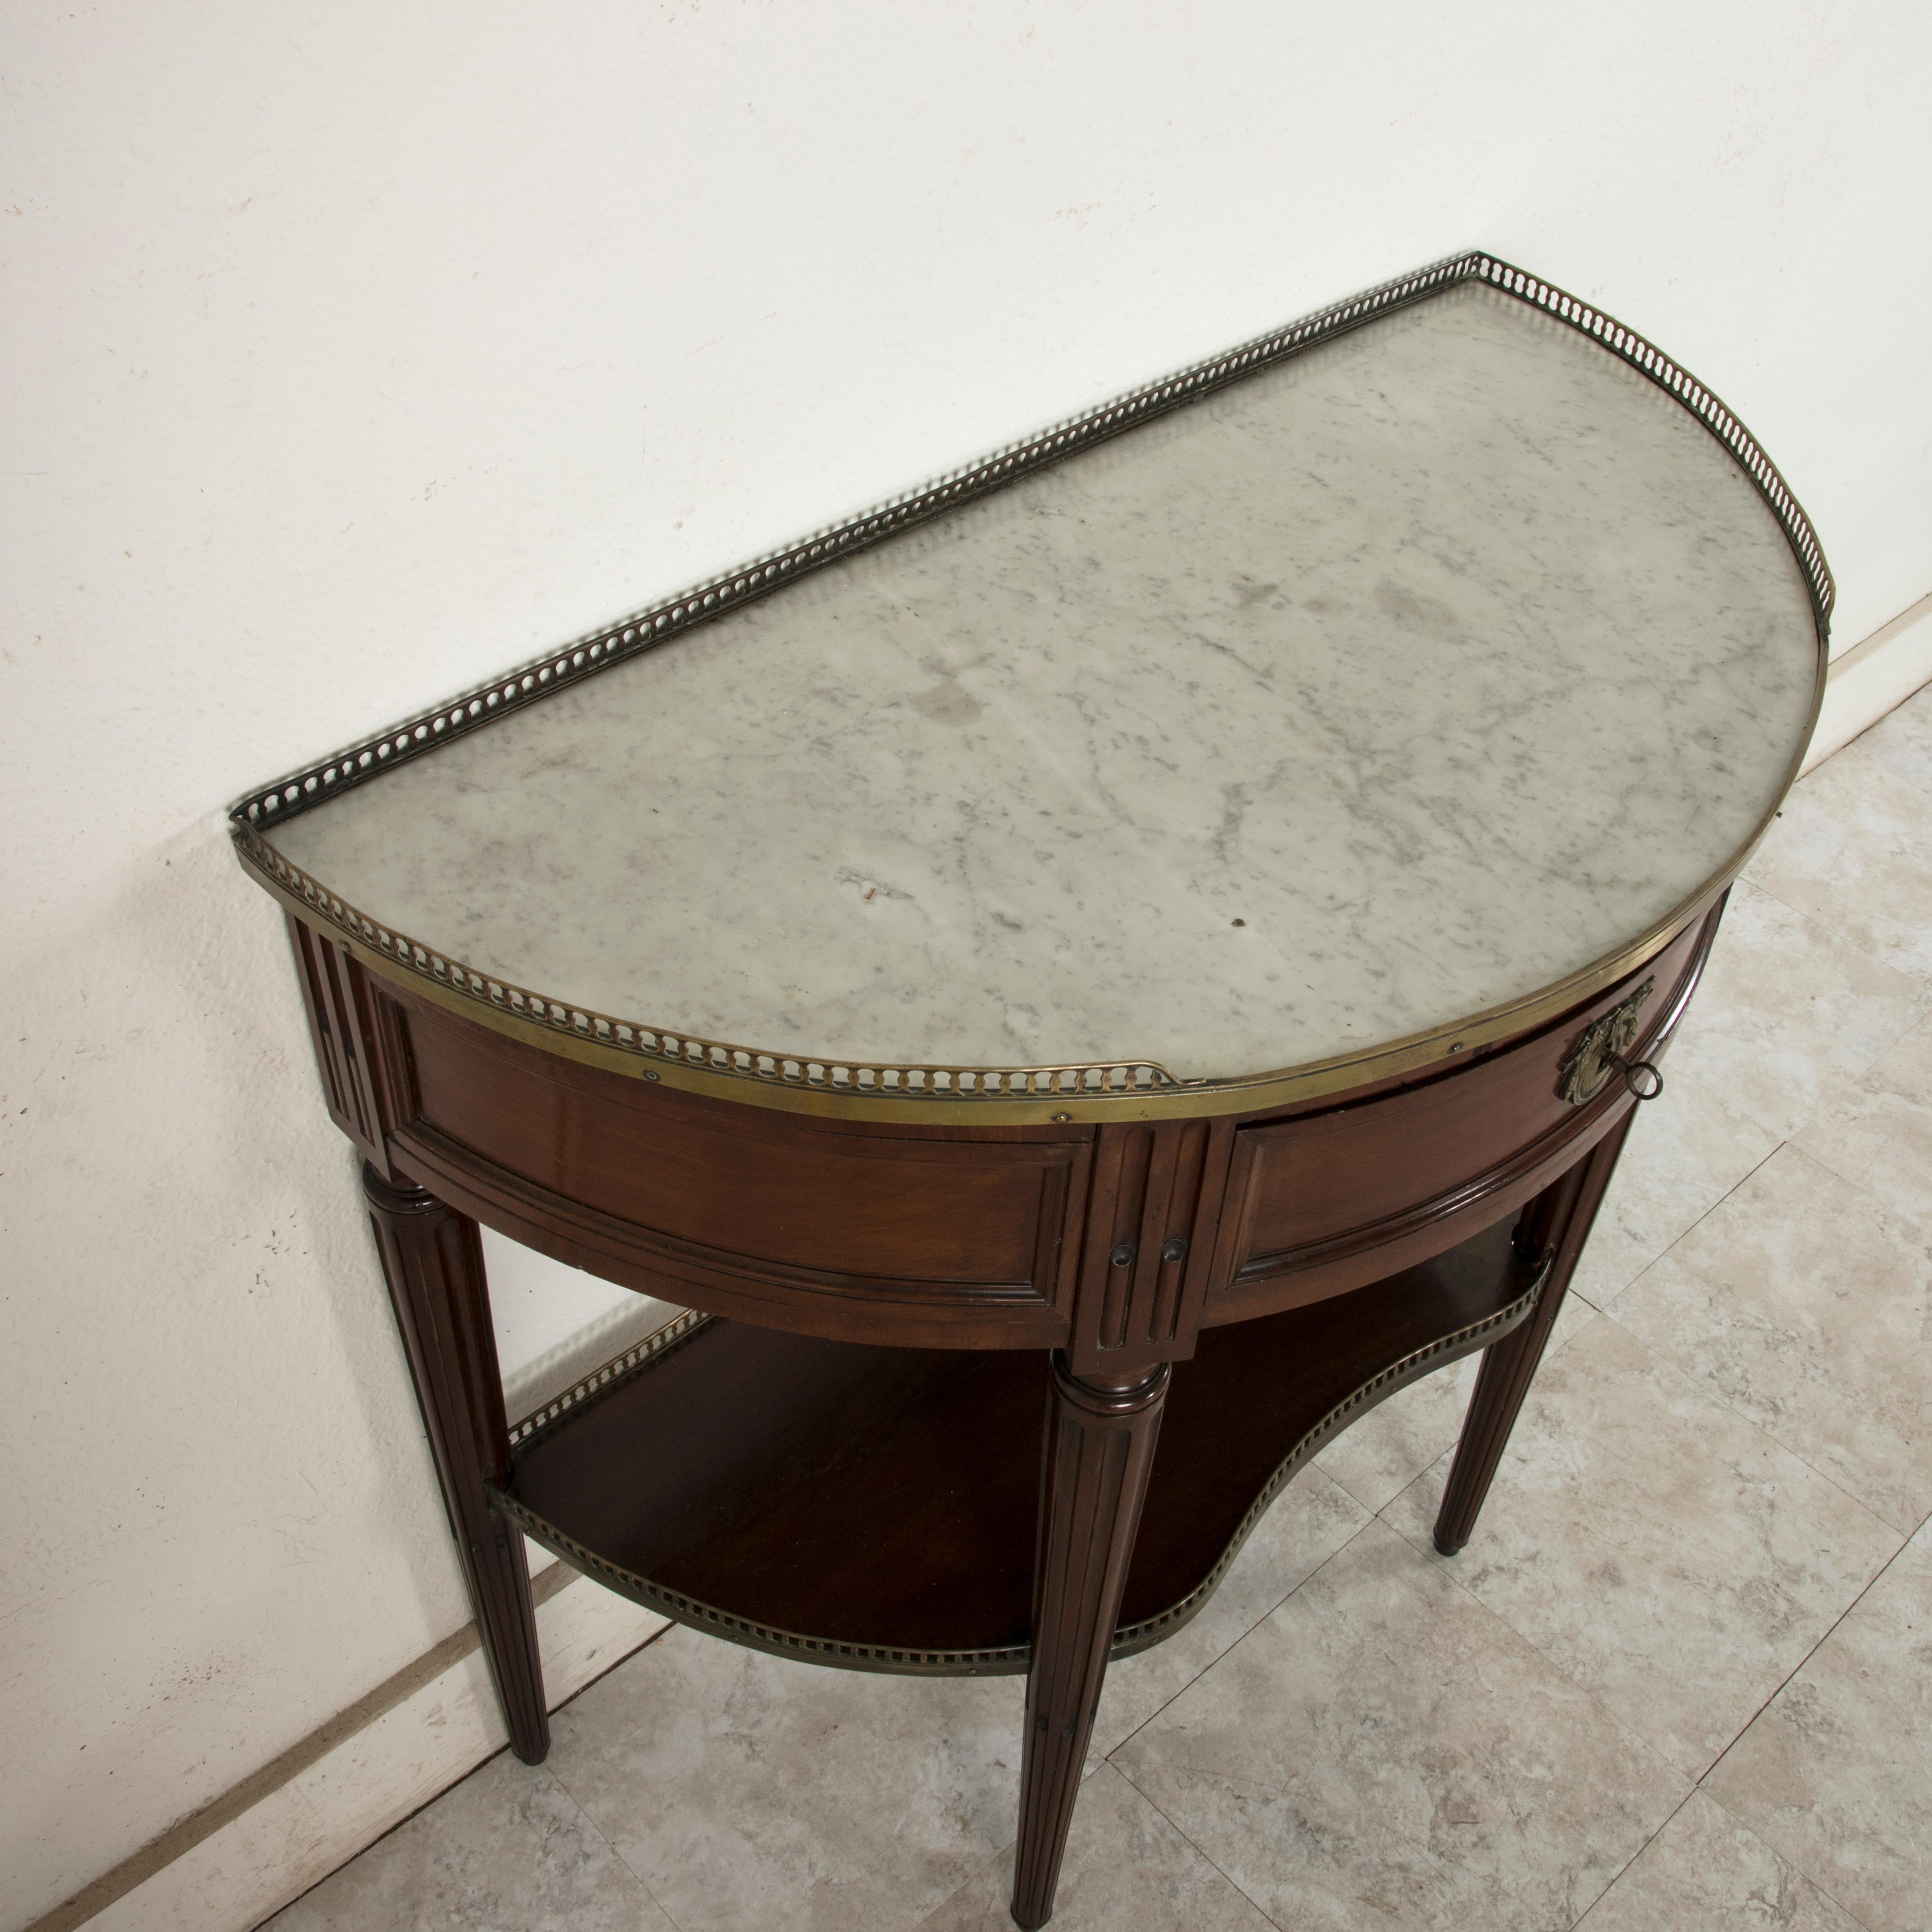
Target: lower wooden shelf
(875, 1508)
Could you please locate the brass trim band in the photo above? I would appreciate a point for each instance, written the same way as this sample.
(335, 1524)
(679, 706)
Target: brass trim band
(827, 1088)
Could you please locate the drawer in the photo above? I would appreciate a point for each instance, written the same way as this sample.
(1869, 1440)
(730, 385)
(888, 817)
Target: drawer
(1310, 1192)
(744, 1210)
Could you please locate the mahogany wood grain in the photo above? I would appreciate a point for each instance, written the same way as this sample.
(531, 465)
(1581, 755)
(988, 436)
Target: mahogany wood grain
(866, 1482)
(360, 1047)
(1257, 1401)
(974, 1237)
(1321, 1202)
(965, 1239)
(722, 1279)
(1557, 1227)
(1100, 1437)
(1150, 1238)
(881, 1501)
(433, 1261)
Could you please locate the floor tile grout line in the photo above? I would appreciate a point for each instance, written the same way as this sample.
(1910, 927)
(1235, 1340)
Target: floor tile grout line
(1922, 980)
(603, 1837)
(1678, 1240)
(992, 1858)
(1696, 1786)
(1374, 1516)
(1923, 1026)
(1698, 1376)
(1884, 1571)
(1553, 1663)
(1872, 1583)
(1751, 1831)
(1145, 1797)
(1617, 1877)
(1106, 1759)
(1698, 1791)
(1642, 1742)
(1923, 1222)
(1221, 1656)
(1440, 1564)
(1212, 1863)
(1108, 1764)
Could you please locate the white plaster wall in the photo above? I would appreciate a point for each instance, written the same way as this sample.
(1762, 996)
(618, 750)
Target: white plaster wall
(355, 352)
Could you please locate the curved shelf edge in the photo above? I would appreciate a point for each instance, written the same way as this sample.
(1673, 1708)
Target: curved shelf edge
(1131, 1638)
(1143, 1633)
(1008, 1661)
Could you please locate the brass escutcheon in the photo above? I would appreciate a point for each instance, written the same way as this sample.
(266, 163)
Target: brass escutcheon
(1601, 1047)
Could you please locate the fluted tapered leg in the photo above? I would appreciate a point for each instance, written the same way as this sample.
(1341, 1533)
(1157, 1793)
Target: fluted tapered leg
(1099, 1447)
(1556, 1224)
(433, 1258)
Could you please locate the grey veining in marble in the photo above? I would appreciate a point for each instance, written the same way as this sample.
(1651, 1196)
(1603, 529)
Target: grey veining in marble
(1392, 684)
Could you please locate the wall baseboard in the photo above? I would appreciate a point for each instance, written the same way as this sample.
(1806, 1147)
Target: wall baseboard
(240, 1859)
(1874, 676)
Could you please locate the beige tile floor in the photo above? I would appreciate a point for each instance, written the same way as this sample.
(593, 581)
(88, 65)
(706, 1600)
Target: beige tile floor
(1682, 1677)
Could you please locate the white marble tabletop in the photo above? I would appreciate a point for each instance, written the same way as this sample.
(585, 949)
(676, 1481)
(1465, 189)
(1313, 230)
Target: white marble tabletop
(1390, 685)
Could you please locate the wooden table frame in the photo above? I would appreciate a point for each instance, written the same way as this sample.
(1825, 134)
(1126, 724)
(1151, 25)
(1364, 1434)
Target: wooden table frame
(1107, 1253)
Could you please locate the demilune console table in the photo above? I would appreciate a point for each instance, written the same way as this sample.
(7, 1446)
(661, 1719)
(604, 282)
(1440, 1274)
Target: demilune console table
(1163, 930)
